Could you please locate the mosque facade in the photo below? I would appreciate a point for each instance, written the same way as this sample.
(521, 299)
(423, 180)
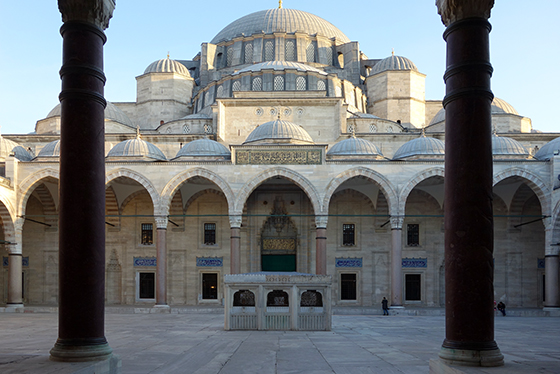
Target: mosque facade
(282, 147)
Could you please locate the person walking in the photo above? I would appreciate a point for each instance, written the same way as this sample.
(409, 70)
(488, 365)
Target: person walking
(385, 306)
(502, 308)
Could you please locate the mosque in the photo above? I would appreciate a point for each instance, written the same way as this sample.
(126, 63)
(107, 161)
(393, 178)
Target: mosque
(281, 146)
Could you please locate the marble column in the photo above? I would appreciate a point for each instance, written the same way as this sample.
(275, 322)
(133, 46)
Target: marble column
(235, 244)
(15, 266)
(161, 262)
(469, 267)
(551, 263)
(396, 261)
(81, 320)
(321, 245)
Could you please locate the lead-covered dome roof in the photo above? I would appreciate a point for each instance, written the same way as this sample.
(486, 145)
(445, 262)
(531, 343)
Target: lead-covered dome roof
(167, 65)
(279, 20)
(504, 146)
(548, 150)
(204, 148)
(354, 147)
(393, 63)
(52, 149)
(6, 147)
(136, 148)
(279, 131)
(280, 66)
(423, 146)
(499, 106)
(111, 113)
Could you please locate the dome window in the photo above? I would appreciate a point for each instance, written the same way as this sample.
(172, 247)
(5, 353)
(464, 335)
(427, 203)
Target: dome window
(257, 84)
(290, 50)
(220, 91)
(329, 51)
(229, 56)
(269, 51)
(236, 86)
(186, 129)
(249, 53)
(310, 52)
(278, 83)
(321, 86)
(372, 128)
(301, 84)
(341, 60)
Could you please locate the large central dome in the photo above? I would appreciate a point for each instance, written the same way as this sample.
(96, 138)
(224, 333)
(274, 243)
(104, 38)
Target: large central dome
(281, 20)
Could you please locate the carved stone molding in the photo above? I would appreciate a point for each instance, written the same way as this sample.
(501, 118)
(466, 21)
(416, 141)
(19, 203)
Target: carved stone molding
(456, 10)
(321, 221)
(397, 222)
(96, 12)
(161, 222)
(235, 221)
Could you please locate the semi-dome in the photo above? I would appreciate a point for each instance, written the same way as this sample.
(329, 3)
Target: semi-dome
(504, 146)
(279, 131)
(280, 66)
(204, 148)
(136, 148)
(52, 149)
(549, 150)
(22, 154)
(6, 147)
(279, 20)
(423, 146)
(111, 113)
(393, 63)
(499, 106)
(167, 65)
(354, 147)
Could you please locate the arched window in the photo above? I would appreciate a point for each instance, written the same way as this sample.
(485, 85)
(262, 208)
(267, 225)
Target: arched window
(220, 91)
(321, 86)
(278, 83)
(301, 84)
(236, 86)
(290, 50)
(249, 53)
(329, 55)
(257, 84)
(311, 298)
(244, 298)
(277, 298)
(310, 52)
(229, 57)
(269, 51)
(341, 60)
(186, 129)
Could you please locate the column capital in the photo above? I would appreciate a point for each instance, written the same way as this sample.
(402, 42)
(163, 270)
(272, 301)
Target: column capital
(456, 10)
(161, 222)
(397, 222)
(235, 221)
(321, 221)
(96, 12)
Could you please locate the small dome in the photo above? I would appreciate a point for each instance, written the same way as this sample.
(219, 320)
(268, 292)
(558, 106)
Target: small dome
(6, 147)
(504, 146)
(548, 150)
(280, 66)
(354, 147)
(279, 20)
(279, 131)
(363, 115)
(204, 148)
(198, 115)
(111, 113)
(393, 63)
(136, 148)
(50, 150)
(22, 154)
(499, 106)
(167, 65)
(420, 147)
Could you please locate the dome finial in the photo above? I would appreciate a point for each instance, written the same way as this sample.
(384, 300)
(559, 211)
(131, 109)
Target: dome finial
(392, 51)
(495, 131)
(279, 4)
(423, 132)
(168, 54)
(138, 132)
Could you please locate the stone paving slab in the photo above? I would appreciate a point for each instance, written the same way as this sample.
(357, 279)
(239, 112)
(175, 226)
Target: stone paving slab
(196, 343)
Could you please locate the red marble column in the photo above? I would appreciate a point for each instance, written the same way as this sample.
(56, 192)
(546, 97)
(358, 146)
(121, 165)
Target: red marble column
(161, 263)
(81, 323)
(396, 261)
(235, 245)
(321, 245)
(469, 267)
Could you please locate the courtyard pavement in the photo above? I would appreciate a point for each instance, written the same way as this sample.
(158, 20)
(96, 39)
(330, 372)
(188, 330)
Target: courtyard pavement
(196, 343)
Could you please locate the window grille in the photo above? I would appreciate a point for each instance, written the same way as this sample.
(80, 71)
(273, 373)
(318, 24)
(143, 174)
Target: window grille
(372, 128)
(310, 52)
(329, 55)
(207, 98)
(257, 84)
(348, 287)
(321, 86)
(278, 83)
(269, 51)
(210, 286)
(209, 233)
(348, 234)
(290, 50)
(207, 129)
(236, 86)
(229, 56)
(220, 91)
(301, 84)
(413, 235)
(249, 53)
(147, 234)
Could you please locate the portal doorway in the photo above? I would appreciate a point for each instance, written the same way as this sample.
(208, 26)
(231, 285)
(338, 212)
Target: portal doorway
(279, 240)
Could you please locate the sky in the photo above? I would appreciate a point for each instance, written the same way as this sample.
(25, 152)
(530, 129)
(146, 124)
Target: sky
(141, 32)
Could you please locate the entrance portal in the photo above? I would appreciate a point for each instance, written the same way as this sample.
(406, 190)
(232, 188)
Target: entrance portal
(278, 240)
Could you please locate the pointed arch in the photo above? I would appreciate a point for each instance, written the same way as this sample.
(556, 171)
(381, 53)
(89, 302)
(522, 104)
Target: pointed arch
(171, 188)
(414, 181)
(112, 208)
(384, 184)
(291, 175)
(535, 182)
(27, 186)
(137, 177)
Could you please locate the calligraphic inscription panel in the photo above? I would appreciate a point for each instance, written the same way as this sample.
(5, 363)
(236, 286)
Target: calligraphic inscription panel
(284, 157)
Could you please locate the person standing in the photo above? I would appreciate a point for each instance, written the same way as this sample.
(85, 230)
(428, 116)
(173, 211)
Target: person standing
(385, 306)
(502, 308)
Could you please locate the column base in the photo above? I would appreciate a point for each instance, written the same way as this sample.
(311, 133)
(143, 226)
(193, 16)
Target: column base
(78, 350)
(13, 307)
(553, 311)
(468, 357)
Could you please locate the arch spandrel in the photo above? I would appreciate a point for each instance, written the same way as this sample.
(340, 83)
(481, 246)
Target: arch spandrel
(27, 186)
(173, 185)
(538, 186)
(291, 175)
(137, 177)
(413, 182)
(384, 184)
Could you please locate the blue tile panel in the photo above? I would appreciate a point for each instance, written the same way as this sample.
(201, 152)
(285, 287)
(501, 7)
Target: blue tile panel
(348, 262)
(24, 261)
(414, 262)
(145, 261)
(210, 261)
